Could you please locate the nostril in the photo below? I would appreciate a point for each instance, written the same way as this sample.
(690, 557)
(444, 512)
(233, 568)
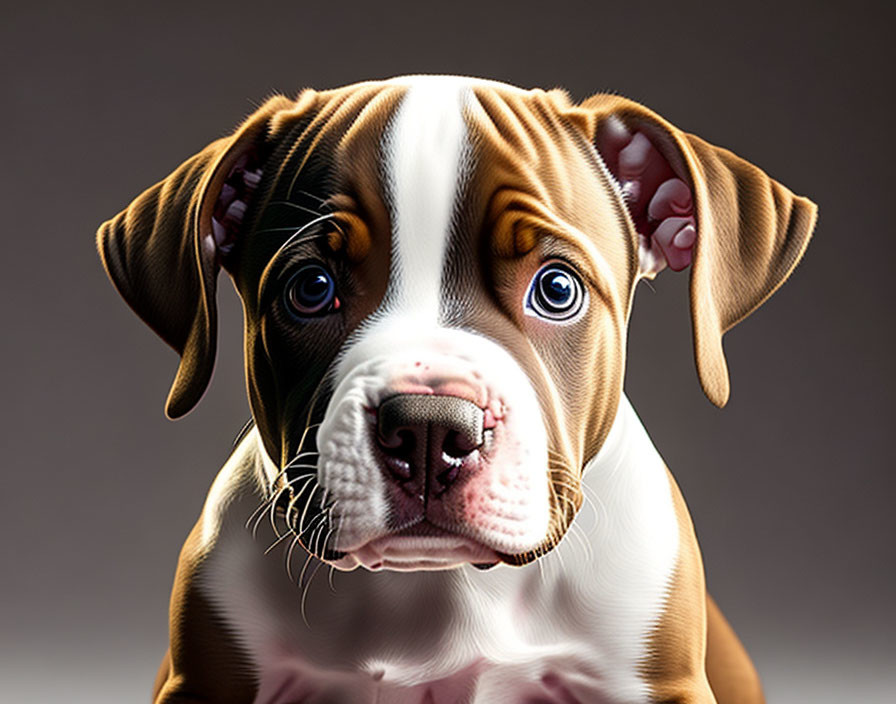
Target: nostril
(435, 433)
(399, 442)
(398, 447)
(458, 445)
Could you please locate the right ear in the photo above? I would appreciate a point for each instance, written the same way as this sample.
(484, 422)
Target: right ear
(685, 196)
(164, 251)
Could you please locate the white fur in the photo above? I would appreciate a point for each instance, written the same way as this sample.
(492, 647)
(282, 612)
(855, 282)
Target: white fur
(516, 492)
(426, 153)
(583, 613)
(423, 153)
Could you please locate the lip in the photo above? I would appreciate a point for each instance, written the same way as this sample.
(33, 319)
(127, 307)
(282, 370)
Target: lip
(422, 546)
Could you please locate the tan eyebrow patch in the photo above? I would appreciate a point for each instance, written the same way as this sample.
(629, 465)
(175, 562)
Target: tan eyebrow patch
(516, 219)
(543, 179)
(350, 233)
(518, 222)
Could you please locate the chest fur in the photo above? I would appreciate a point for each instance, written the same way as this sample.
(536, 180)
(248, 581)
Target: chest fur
(576, 623)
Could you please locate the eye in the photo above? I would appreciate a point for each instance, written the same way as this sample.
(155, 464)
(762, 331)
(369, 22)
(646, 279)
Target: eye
(556, 293)
(311, 292)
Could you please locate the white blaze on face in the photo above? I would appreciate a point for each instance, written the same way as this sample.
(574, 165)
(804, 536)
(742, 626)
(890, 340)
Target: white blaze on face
(426, 155)
(424, 152)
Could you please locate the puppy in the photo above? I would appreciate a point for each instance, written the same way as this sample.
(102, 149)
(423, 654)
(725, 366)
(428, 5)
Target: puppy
(436, 275)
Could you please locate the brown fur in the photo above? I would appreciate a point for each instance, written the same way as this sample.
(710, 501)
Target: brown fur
(541, 191)
(202, 650)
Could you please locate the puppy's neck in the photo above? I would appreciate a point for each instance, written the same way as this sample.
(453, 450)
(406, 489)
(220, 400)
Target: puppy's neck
(609, 577)
(627, 447)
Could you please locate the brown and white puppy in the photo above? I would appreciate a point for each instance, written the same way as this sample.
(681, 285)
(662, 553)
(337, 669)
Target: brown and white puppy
(437, 275)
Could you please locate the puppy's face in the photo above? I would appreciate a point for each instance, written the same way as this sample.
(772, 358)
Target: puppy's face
(436, 286)
(436, 276)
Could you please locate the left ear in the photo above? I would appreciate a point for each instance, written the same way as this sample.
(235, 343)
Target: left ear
(163, 252)
(690, 201)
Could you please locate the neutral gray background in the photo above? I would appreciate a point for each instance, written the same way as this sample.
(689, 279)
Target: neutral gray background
(791, 486)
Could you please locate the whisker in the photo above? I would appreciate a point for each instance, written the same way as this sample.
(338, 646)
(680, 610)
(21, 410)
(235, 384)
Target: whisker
(256, 512)
(574, 488)
(574, 529)
(276, 543)
(562, 468)
(290, 507)
(266, 502)
(580, 534)
(540, 564)
(560, 560)
(297, 229)
(322, 201)
(339, 526)
(305, 509)
(300, 456)
(316, 533)
(299, 232)
(309, 426)
(295, 205)
(269, 503)
(275, 501)
(308, 557)
(589, 493)
(261, 514)
(292, 547)
(295, 177)
(305, 591)
(323, 498)
(323, 546)
(567, 500)
(300, 466)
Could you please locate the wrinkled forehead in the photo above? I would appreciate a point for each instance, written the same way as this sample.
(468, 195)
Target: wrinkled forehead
(435, 161)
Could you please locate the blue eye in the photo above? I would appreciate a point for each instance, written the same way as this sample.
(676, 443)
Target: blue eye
(311, 292)
(556, 293)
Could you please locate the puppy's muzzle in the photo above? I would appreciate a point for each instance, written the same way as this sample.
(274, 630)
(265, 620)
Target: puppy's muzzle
(428, 441)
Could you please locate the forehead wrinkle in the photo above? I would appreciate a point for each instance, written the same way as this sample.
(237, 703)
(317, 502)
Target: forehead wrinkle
(528, 133)
(309, 140)
(382, 103)
(503, 124)
(538, 159)
(333, 112)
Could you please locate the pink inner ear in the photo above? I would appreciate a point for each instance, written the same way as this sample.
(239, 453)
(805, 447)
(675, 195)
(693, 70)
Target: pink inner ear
(233, 201)
(661, 205)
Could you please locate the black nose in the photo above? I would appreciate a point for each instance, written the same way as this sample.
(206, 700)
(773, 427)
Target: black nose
(425, 432)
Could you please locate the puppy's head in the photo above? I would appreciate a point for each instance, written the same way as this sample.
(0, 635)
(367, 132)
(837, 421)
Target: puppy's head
(436, 276)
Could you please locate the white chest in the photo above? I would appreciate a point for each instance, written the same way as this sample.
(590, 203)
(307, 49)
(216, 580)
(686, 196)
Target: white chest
(572, 627)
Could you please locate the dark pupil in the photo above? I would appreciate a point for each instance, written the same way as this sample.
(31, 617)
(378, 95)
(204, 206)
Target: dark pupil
(314, 288)
(556, 288)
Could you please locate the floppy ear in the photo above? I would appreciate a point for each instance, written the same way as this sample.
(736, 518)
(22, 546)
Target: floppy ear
(689, 200)
(164, 251)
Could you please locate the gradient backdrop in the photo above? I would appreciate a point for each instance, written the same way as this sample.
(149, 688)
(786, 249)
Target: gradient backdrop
(791, 486)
